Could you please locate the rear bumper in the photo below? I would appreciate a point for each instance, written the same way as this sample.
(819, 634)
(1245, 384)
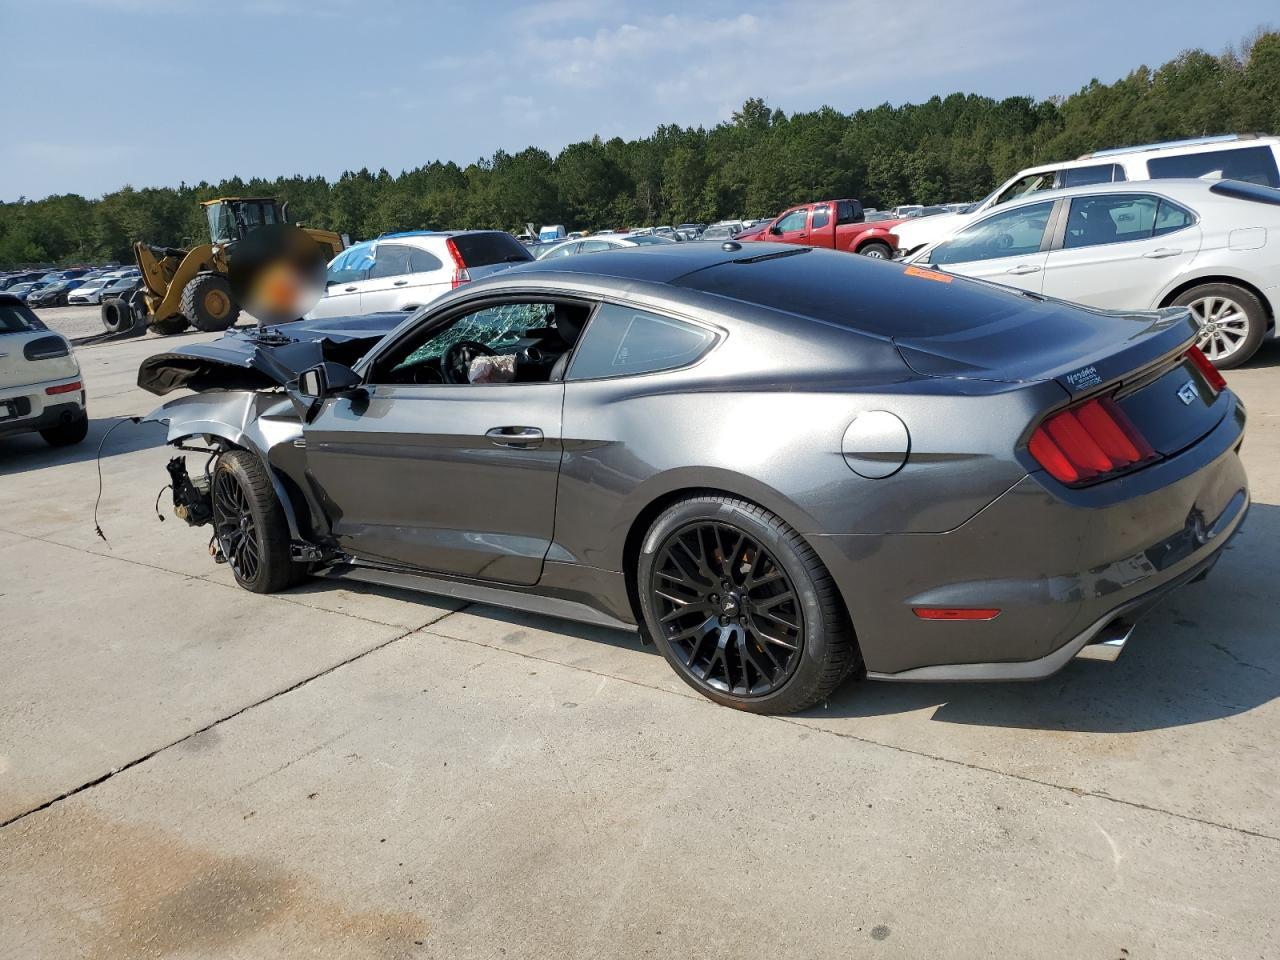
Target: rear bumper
(52, 415)
(1062, 567)
(1103, 640)
(38, 410)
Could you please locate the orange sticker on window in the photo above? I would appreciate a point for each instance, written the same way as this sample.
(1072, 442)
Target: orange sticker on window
(927, 274)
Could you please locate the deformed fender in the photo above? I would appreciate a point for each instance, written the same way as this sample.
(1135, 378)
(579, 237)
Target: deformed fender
(252, 420)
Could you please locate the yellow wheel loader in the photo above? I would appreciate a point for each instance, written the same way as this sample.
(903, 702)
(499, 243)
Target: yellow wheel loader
(182, 288)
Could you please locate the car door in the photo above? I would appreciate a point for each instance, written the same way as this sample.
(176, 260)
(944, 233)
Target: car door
(1119, 250)
(1006, 247)
(346, 273)
(390, 278)
(457, 479)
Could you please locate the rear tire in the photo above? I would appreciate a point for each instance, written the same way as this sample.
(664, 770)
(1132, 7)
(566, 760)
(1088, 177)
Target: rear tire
(170, 325)
(777, 640)
(1232, 322)
(67, 434)
(208, 304)
(876, 250)
(250, 526)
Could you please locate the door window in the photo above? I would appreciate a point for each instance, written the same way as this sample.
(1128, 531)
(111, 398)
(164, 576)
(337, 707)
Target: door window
(526, 338)
(622, 340)
(821, 216)
(391, 260)
(795, 220)
(1114, 218)
(1251, 164)
(354, 264)
(1012, 233)
(595, 246)
(564, 250)
(422, 262)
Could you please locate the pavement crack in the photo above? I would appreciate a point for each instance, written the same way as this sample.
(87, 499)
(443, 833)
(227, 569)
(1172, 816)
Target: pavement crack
(115, 771)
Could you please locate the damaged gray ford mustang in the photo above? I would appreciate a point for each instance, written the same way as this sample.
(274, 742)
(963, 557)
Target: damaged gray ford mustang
(785, 465)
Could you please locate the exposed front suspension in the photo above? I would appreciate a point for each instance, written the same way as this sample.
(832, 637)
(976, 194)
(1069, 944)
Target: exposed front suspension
(191, 501)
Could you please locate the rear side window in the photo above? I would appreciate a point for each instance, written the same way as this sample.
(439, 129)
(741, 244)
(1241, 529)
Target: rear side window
(1251, 164)
(1170, 217)
(18, 318)
(1087, 176)
(486, 249)
(391, 260)
(621, 341)
(821, 216)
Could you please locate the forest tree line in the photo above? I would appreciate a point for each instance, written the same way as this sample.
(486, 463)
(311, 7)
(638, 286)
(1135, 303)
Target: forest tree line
(952, 148)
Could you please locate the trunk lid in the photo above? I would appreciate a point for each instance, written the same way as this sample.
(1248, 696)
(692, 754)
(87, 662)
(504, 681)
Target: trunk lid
(1138, 358)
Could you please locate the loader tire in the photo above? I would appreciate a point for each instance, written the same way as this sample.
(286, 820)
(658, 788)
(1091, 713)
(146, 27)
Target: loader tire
(116, 315)
(207, 302)
(170, 325)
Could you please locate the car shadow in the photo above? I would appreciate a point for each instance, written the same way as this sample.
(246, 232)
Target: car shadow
(1268, 355)
(28, 451)
(1205, 653)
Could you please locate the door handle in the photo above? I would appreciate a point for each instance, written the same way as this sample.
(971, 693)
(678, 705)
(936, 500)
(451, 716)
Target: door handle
(521, 438)
(1023, 269)
(1162, 253)
(349, 289)
(400, 283)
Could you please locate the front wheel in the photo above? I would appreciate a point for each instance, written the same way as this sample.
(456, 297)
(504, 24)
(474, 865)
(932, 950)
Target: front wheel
(207, 302)
(249, 524)
(1232, 322)
(742, 608)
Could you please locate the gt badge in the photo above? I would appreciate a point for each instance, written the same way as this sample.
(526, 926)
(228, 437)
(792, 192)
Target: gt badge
(1188, 393)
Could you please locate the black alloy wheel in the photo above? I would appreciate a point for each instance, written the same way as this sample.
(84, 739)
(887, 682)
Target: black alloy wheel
(728, 608)
(234, 526)
(249, 524)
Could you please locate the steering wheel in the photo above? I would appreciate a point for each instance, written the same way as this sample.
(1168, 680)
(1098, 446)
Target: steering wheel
(458, 358)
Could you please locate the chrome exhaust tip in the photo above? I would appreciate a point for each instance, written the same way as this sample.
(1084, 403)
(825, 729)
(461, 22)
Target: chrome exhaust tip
(1108, 643)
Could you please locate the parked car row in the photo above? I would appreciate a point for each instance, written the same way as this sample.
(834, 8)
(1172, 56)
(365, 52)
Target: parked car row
(75, 285)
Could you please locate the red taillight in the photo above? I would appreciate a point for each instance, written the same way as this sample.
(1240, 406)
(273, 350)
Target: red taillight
(955, 613)
(460, 275)
(1087, 442)
(63, 388)
(1212, 375)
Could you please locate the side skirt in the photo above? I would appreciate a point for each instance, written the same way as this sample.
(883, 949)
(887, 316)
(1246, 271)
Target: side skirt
(511, 598)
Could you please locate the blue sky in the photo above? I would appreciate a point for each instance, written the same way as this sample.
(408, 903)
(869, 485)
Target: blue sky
(268, 87)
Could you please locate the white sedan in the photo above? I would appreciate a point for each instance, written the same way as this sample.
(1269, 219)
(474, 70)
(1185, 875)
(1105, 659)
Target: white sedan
(1213, 246)
(602, 242)
(40, 386)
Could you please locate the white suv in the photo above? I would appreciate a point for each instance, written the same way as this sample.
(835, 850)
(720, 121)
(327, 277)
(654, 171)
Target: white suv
(1234, 156)
(40, 386)
(402, 271)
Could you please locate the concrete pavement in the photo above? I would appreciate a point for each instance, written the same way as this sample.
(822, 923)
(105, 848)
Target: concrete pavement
(190, 770)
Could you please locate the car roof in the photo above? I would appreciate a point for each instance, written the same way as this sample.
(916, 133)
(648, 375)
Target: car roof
(1185, 190)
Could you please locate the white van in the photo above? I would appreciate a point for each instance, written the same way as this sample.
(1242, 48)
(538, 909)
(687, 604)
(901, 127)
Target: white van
(1250, 157)
(554, 232)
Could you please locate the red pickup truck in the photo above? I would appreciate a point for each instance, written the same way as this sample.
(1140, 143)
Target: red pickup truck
(835, 224)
